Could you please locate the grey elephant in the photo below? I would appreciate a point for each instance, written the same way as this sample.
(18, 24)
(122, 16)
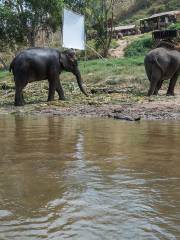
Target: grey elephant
(35, 64)
(162, 63)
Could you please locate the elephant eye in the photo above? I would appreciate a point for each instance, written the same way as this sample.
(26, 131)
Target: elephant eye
(73, 61)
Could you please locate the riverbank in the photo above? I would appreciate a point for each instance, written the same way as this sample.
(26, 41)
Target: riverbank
(147, 110)
(117, 88)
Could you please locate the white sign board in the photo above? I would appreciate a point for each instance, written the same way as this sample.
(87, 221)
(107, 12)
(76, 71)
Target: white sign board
(73, 30)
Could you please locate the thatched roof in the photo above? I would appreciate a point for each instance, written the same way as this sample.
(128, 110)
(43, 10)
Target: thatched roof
(177, 12)
(127, 27)
(165, 13)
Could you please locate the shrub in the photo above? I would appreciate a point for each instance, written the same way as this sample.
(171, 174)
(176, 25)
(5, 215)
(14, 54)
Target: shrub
(174, 26)
(139, 47)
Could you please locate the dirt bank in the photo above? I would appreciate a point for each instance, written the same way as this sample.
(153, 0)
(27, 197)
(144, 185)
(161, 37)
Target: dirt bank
(118, 52)
(160, 107)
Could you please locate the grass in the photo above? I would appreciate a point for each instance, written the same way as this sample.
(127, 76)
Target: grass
(112, 71)
(3, 74)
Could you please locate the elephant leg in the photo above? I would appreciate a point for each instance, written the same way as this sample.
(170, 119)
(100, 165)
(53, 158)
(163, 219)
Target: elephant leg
(170, 91)
(60, 91)
(19, 98)
(155, 79)
(22, 97)
(52, 88)
(153, 86)
(158, 87)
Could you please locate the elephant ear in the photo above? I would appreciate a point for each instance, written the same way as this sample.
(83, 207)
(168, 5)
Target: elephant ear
(68, 58)
(71, 55)
(63, 60)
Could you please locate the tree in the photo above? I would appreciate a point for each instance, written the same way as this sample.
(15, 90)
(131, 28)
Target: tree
(22, 19)
(10, 30)
(76, 5)
(102, 18)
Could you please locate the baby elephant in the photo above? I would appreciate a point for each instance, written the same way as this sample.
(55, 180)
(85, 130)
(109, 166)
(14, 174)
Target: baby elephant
(162, 63)
(35, 64)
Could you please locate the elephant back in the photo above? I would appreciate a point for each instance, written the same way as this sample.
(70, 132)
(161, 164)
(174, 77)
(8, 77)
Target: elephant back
(169, 45)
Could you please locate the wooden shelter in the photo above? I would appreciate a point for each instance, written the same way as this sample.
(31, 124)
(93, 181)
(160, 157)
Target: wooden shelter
(159, 21)
(121, 31)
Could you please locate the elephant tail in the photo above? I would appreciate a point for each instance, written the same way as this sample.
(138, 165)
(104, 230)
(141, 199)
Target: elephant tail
(158, 64)
(11, 66)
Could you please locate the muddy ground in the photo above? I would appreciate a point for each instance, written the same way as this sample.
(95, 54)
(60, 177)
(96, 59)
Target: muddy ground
(122, 106)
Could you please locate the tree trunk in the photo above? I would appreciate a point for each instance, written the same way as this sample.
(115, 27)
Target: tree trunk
(31, 37)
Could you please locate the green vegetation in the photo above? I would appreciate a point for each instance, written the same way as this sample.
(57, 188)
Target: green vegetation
(3, 74)
(139, 47)
(175, 26)
(21, 20)
(91, 54)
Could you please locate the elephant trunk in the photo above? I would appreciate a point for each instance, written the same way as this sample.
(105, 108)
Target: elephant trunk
(79, 81)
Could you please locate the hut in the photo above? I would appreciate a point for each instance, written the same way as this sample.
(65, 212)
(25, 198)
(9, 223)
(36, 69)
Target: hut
(159, 21)
(120, 31)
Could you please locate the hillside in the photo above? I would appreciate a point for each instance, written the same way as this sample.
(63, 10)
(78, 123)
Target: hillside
(138, 9)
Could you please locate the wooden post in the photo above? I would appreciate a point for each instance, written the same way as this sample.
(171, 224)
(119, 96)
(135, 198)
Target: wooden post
(158, 26)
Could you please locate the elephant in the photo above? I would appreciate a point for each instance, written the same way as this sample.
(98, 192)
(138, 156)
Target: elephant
(162, 63)
(35, 64)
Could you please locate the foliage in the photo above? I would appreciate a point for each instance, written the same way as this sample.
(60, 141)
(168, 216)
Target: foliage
(175, 26)
(22, 19)
(172, 4)
(143, 8)
(134, 7)
(90, 53)
(100, 15)
(3, 74)
(139, 47)
(76, 5)
(10, 29)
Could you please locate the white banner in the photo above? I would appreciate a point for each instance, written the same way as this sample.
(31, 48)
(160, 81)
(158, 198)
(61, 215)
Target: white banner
(73, 30)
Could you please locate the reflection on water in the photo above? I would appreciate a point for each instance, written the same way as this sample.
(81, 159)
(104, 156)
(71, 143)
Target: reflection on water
(71, 178)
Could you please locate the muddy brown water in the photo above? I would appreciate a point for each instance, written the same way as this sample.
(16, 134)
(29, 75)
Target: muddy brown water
(89, 178)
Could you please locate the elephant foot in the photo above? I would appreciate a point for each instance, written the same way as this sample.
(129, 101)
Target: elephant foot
(50, 99)
(19, 104)
(170, 94)
(150, 92)
(23, 101)
(62, 98)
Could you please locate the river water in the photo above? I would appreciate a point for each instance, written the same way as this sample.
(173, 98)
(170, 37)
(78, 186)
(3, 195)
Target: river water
(88, 179)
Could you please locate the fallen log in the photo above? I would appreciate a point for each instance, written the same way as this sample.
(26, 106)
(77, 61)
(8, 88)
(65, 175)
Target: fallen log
(121, 116)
